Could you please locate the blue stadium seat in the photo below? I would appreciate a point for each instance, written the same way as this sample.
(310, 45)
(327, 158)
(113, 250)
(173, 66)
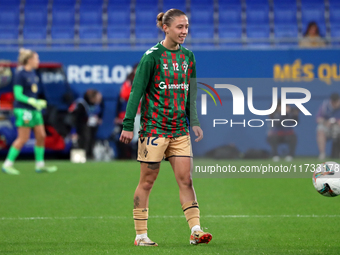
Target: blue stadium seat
(202, 2)
(63, 15)
(228, 2)
(62, 32)
(285, 2)
(177, 4)
(257, 14)
(312, 1)
(119, 2)
(118, 32)
(256, 2)
(147, 32)
(230, 14)
(201, 32)
(143, 33)
(285, 14)
(313, 12)
(202, 14)
(9, 15)
(140, 3)
(36, 2)
(91, 2)
(335, 33)
(233, 31)
(34, 33)
(334, 14)
(35, 15)
(286, 31)
(91, 33)
(10, 3)
(331, 2)
(146, 15)
(230, 32)
(9, 33)
(64, 2)
(91, 15)
(118, 15)
(258, 32)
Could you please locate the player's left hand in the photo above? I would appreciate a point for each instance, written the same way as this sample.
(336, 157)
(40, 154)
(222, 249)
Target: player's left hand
(198, 132)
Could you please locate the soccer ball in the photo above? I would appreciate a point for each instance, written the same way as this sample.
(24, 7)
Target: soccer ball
(326, 179)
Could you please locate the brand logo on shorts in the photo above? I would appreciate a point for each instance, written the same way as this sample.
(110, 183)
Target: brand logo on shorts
(145, 153)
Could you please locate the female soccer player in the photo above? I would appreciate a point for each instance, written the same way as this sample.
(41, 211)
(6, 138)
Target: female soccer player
(27, 111)
(164, 81)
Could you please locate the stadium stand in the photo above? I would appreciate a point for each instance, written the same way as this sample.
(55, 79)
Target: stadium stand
(177, 4)
(63, 15)
(132, 23)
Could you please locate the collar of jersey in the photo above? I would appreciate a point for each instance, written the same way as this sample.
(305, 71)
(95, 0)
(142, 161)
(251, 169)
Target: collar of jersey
(160, 44)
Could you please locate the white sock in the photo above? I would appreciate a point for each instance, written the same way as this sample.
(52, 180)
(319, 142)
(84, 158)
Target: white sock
(144, 235)
(195, 228)
(39, 164)
(8, 163)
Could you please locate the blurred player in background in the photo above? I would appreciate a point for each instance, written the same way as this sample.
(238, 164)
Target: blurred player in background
(127, 151)
(27, 111)
(162, 80)
(328, 119)
(279, 134)
(88, 116)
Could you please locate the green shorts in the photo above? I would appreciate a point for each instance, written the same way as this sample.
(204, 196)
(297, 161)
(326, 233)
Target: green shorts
(27, 118)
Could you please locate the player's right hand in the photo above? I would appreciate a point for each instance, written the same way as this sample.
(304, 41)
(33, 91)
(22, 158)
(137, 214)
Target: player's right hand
(39, 104)
(42, 103)
(126, 136)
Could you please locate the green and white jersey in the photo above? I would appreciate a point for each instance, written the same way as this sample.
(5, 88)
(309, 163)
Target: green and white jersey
(163, 81)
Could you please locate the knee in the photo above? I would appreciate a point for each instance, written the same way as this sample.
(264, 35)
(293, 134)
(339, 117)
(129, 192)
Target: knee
(20, 141)
(147, 185)
(185, 180)
(41, 137)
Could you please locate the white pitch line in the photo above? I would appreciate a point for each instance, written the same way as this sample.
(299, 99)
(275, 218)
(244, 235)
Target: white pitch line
(168, 216)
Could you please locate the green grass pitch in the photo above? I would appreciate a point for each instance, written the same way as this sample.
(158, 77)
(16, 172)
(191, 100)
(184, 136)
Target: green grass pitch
(87, 209)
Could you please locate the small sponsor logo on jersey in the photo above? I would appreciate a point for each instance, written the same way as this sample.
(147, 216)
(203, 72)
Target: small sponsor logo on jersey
(34, 88)
(185, 66)
(151, 50)
(162, 85)
(165, 66)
